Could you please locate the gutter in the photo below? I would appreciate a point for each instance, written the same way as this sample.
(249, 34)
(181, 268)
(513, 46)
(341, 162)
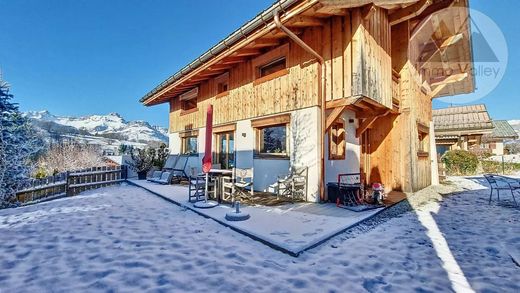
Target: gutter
(261, 19)
(323, 78)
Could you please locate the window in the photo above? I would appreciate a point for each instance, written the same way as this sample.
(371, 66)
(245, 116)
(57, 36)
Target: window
(272, 67)
(271, 136)
(423, 130)
(189, 100)
(222, 84)
(337, 140)
(273, 140)
(189, 104)
(189, 145)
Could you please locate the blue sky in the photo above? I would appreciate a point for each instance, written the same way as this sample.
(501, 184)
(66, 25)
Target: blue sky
(94, 57)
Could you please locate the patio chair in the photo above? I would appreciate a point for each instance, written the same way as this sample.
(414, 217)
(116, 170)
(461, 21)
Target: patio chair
(293, 184)
(514, 184)
(237, 186)
(197, 186)
(497, 182)
(156, 175)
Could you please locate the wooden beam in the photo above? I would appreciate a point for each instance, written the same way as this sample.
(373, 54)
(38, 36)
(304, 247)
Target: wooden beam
(276, 33)
(219, 67)
(365, 125)
(247, 52)
(451, 79)
(369, 114)
(367, 11)
(439, 86)
(434, 47)
(340, 102)
(265, 42)
(409, 12)
(336, 112)
(233, 60)
(304, 21)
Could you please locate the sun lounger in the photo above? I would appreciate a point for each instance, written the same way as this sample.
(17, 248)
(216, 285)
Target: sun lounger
(166, 177)
(156, 175)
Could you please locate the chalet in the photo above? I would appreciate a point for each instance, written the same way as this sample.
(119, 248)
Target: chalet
(502, 132)
(461, 127)
(338, 86)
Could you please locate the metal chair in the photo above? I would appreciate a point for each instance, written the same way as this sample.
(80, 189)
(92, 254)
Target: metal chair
(497, 182)
(294, 184)
(197, 186)
(238, 185)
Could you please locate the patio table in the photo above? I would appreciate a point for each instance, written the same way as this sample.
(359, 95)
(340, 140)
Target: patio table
(219, 173)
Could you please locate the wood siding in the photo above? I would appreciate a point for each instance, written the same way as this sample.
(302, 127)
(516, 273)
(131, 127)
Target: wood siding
(295, 90)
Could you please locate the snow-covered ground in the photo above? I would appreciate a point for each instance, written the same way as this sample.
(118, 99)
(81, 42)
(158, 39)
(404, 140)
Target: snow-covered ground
(126, 239)
(506, 158)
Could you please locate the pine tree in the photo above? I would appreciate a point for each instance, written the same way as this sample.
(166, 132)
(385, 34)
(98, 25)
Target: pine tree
(19, 144)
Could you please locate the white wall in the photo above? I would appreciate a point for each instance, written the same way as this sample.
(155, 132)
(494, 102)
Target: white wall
(351, 163)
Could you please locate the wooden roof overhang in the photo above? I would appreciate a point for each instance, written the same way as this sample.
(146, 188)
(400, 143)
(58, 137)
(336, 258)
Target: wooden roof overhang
(366, 109)
(296, 14)
(441, 48)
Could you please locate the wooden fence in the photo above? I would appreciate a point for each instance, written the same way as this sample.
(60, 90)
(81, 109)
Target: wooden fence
(70, 183)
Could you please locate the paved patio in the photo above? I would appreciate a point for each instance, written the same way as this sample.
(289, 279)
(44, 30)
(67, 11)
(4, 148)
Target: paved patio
(291, 228)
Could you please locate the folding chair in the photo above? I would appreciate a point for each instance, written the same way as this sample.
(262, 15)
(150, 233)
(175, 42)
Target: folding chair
(238, 185)
(294, 184)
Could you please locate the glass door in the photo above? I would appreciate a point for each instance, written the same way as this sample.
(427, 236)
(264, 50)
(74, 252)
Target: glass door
(226, 150)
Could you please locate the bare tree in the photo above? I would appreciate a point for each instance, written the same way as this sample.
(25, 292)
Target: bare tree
(70, 156)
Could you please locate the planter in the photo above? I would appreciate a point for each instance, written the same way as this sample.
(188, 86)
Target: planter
(141, 175)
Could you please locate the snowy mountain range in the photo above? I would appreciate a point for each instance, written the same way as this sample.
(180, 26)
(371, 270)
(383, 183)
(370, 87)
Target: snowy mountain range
(110, 129)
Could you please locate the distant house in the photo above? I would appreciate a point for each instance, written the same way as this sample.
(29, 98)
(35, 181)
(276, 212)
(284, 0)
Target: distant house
(342, 86)
(502, 132)
(461, 127)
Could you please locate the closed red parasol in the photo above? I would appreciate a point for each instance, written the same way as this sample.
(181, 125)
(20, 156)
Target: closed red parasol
(207, 159)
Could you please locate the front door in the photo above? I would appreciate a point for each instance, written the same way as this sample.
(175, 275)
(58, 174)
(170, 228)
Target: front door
(225, 152)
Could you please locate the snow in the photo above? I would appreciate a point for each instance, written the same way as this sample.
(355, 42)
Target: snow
(298, 226)
(514, 158)
(125, 239)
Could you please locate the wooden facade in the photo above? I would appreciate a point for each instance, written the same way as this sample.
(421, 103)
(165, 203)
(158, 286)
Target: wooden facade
(369, 69)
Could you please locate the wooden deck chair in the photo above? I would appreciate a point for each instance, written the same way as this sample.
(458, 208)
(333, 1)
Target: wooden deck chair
(293, 184)
(240, 185)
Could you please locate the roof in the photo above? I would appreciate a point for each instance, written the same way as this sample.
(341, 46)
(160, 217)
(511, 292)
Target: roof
(503, 130)
(241, 43)
(471, 119)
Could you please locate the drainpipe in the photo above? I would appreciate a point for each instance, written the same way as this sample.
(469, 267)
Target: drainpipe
(322, 71)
